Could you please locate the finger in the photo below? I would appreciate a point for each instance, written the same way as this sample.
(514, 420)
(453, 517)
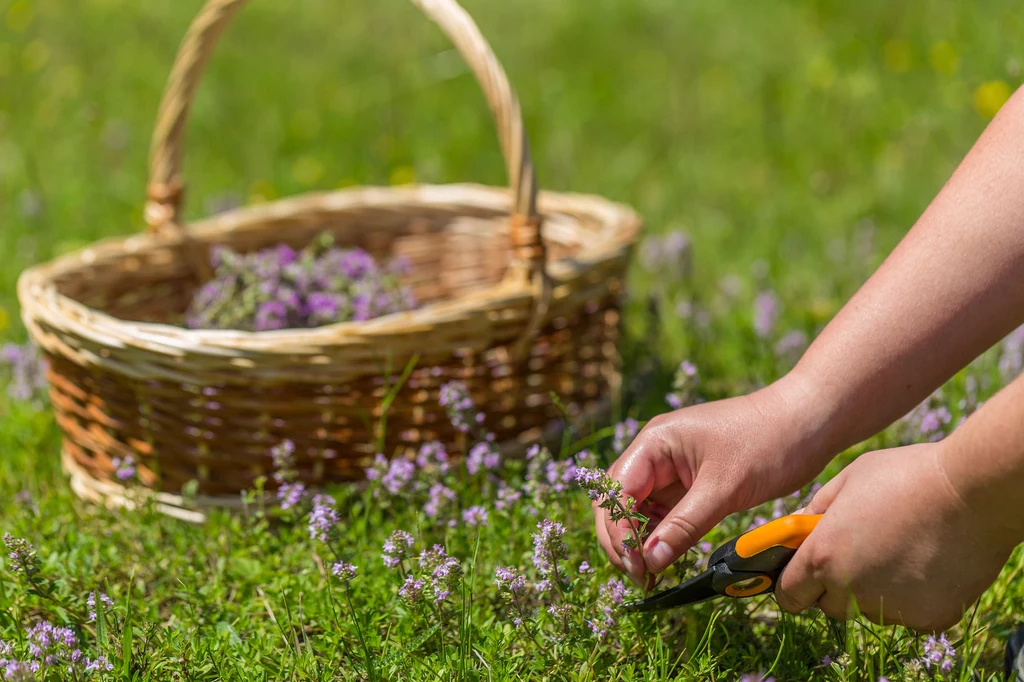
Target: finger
(824, 498)
(798, 589)
(630, 564)
(600, 521)
(703, 506)
(647, 461)
(837, 604)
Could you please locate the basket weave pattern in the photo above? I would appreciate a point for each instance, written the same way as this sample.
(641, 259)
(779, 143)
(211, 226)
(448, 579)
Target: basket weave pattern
(515, 305)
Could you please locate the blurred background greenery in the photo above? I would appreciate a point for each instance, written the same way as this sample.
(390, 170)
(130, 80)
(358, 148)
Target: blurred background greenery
(798, 137)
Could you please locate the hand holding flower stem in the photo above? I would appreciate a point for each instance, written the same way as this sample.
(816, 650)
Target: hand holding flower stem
(607, 494)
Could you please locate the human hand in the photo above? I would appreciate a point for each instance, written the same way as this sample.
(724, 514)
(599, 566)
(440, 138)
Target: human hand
(691, 468)
(898, 541)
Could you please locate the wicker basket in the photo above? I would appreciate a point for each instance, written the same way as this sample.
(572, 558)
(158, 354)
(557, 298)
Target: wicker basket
(515, 317)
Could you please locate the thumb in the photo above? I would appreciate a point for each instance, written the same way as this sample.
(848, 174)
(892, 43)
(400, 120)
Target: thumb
(700, 509)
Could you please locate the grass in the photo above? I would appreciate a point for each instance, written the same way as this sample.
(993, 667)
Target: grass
(794, 141)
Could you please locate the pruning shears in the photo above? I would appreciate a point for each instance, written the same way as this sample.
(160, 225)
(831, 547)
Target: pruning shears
(746, 566)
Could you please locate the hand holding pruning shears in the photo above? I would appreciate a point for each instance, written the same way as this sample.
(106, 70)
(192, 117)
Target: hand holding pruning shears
(895, 521)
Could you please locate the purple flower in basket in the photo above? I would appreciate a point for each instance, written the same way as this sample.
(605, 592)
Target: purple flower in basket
(271, 315)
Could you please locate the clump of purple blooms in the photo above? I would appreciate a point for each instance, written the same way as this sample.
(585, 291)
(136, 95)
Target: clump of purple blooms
(928, 421)
(289, 491)
(124, 467)
(396, 548)
(600, 487)
(21, 556)
(475, 516)
(512, 584)
(91, 603)
(549, 548)
(323, 519)
(49, 647)
(343, 571)
(938, 654)
(670, 254)
(27, 369)
(437, 570)
(612, 595)
(791, 346)
(767, 309)
(684, 386)
(456, 401)
(281, 288)
(1011, 356)
(625, 432)
(393, 475)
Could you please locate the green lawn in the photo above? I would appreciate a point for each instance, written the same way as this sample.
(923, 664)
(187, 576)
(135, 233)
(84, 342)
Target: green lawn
(795, 142)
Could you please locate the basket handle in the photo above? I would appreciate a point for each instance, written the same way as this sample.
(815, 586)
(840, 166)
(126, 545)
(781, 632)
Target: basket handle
(165, 188)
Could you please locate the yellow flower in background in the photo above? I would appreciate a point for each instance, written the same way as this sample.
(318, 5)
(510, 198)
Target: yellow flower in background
(990, 97)
(19, 15)
(36, 56)
(898, 57)
(944, 58)
(261, 192)
(307, 170)
(4, 319)
(403, 175)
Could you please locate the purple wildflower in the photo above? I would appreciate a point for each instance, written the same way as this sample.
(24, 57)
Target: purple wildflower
(669, 254)
(758, 521)
(766, 313)
(343, 571)
(625, 432)
(506, 496)
(475, 516)
(939, 653)
(1011, 358)
(585, 568)
(560, 473)
(27, 368)
(396, 548)
(455, 399)
(124, 468)
(483, 455)
(440, 497)
(290, 494)
(378, 469)
(91, 603)
(19, 671)
(412, 590)
(444, 572)
(549, 547)
(756, 677)
(612, 595)
(927, 421)
(21, 556)
(791, 346)
(283, 456)
(432, 455)
(398, 476)
(684, 386)
(323, 518)
(509, 579)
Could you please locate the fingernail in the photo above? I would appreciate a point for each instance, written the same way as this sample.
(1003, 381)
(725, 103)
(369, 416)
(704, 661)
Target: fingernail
(631, 571)
(659, 555)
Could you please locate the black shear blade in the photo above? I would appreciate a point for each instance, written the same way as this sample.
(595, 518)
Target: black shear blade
(694, 590)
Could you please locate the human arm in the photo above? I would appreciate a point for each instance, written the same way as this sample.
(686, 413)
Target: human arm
(952, 288)
(915, 535)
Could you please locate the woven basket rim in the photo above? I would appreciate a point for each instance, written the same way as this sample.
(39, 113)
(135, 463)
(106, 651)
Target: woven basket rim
(40, 299)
